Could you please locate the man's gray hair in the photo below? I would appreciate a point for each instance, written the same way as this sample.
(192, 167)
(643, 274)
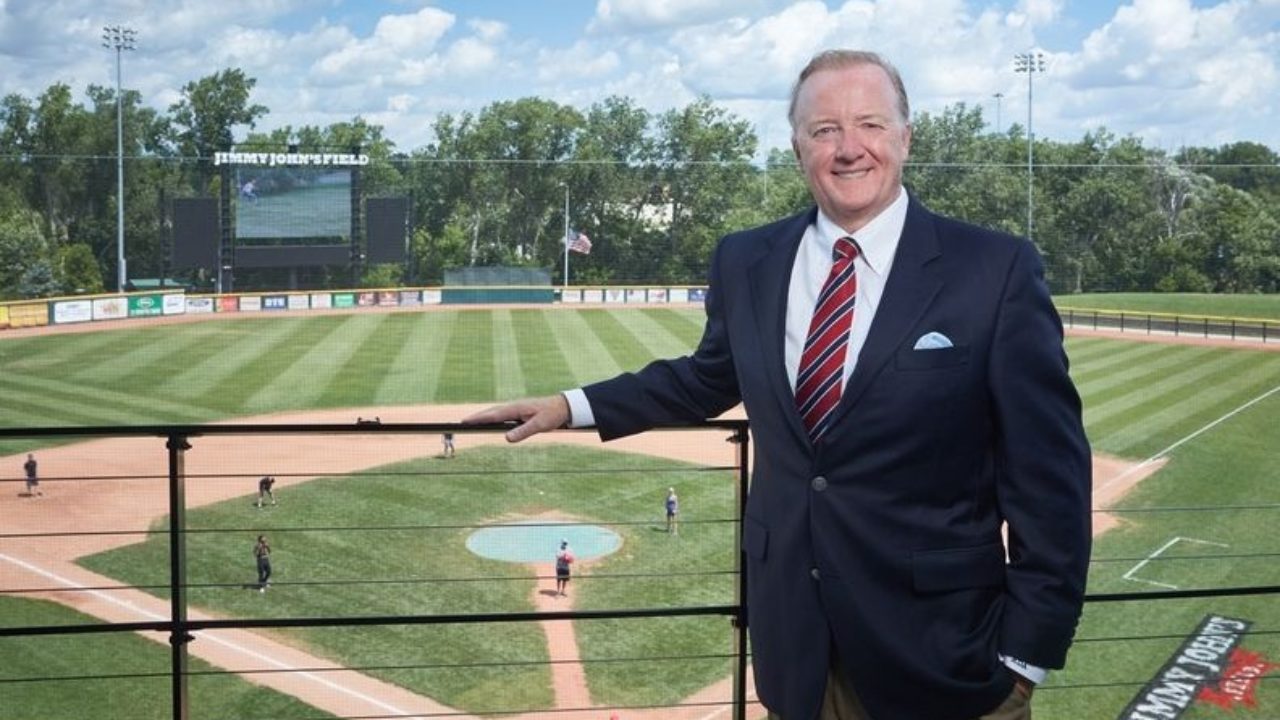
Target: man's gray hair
(842, 59)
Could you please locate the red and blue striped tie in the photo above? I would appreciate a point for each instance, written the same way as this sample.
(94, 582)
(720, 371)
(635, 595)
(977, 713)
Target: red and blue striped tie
(819, 379)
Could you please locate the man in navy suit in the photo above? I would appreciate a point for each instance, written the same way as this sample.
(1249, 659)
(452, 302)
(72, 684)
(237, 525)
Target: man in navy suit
(879, 584)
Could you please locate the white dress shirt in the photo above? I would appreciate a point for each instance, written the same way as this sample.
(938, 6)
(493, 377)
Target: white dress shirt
(877, 243)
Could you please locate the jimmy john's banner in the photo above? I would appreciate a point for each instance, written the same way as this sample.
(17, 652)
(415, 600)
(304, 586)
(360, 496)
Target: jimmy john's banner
(1209, 668)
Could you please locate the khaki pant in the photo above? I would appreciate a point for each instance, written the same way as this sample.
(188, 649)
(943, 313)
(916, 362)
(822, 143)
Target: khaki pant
(841, 703)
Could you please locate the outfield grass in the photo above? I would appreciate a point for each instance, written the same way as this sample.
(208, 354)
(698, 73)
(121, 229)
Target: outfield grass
(391, 541)
(1139, 400)
(71, 669)
(205, 371)
(1261, 307)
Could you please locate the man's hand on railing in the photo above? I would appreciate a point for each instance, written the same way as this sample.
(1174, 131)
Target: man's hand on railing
(534, 415)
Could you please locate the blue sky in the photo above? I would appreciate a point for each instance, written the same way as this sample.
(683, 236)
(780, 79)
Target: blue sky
(1173, 72)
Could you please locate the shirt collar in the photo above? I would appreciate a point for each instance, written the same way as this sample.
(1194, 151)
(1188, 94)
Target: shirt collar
(877, 240)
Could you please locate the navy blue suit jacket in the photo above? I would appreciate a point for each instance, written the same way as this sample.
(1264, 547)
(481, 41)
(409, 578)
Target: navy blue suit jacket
(883, 542)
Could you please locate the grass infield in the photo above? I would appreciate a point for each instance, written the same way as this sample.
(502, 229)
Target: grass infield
(392, 541)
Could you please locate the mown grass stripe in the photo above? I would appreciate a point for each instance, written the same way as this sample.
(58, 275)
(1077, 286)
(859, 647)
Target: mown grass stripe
(367, 365)
(657, 338)
(628, 352)
(467, 373)
(592, 360)
(311, 372)
(1080, 350)
(148, 354)
(140, 406)
(62, 404)
(25, 410)
(414, 374)
(686, 323)
(1153, 424)
(508, 373)
(257, 362)
(60, 355)
(240, 342)
(1124, 367)
(544, 363)
(1167, 375)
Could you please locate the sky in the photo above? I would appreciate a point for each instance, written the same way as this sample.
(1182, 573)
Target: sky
(1171, 72)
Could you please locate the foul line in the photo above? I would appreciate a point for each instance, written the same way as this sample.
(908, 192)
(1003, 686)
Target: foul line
(1188, 438)
(280, 664)
(1131, 575)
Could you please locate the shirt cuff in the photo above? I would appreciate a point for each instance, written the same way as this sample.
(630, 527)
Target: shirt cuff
(1031, 672)
(580, 415)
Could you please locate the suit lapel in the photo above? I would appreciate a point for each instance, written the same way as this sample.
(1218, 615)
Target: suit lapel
(770, 278)
(913, 284)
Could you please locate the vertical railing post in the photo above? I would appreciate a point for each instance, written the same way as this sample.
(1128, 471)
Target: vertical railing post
(179, 636)
(740, 438)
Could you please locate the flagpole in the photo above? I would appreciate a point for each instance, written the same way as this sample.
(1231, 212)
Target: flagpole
(566, 236)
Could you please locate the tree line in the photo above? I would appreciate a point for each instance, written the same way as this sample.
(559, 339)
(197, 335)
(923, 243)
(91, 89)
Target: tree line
(653, 190)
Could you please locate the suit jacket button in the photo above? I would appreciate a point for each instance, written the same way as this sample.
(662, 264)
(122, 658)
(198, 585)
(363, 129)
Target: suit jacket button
(813, 572)
(819, 484)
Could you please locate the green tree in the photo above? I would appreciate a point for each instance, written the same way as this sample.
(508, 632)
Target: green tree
(77, 271)
(22, 247)
(209, 111)
(704, 154)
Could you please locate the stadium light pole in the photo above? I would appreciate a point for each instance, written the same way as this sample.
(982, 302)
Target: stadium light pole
(997, 96)
(1030, 63)
(119, 38)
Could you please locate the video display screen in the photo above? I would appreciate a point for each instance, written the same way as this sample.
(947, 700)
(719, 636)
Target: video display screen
(292, 205)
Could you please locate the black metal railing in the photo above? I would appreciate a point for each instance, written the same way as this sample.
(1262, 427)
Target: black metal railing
(1197, 326)
(183, 625)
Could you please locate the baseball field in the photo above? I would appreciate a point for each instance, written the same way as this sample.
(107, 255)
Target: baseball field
(369, 526)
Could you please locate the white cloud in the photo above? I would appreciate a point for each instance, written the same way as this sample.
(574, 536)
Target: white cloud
(1196, 70)
(489, 30)
(627, 16)
(1175, 72)
(580, 62)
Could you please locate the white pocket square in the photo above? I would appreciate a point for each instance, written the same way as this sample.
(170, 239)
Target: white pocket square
(932, 341)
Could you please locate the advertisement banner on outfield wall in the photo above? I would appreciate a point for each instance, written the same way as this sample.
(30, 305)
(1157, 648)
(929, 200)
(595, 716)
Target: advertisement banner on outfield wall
(4, 317)
(678, 295)
(29, 315)
(321, 301)
(367, 299)
(100, 309)
(615, 295)
(275, 302)
(593, 296)
(697, 295)
(635, 295)
(431, 297)
(175, 304)
(410, 298)
(250, 303)
(145, 305)
(388, 298)
(571, 296)
(299, 302)
(72, 311)
(657, 295)
(344, 300)
(229, 304)
(199, 305)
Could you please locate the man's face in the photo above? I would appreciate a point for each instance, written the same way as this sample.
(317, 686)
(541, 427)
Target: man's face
(851, 142)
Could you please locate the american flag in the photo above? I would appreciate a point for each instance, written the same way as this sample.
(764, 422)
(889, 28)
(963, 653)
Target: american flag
(578, 242)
